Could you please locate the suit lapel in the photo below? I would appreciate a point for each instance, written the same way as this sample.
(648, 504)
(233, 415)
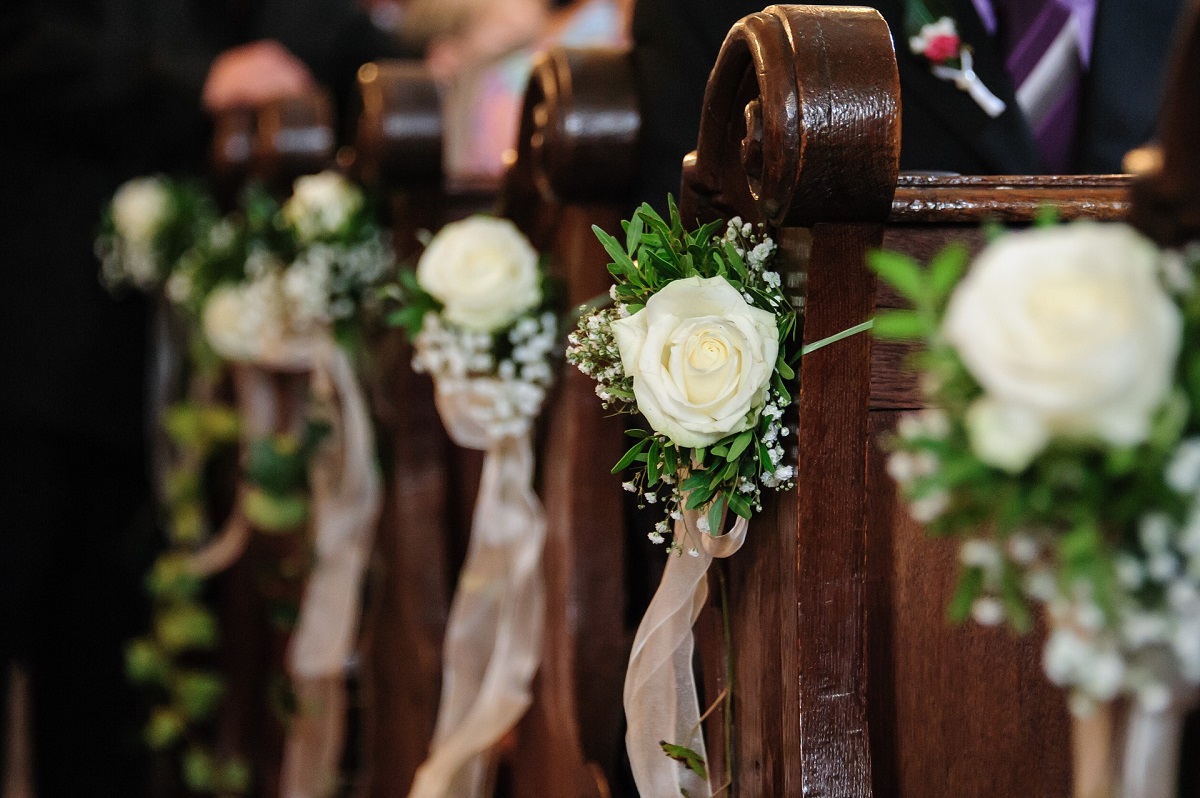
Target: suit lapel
(1005, 142)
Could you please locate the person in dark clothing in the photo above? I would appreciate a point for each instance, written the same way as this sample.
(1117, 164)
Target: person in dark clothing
(1124, 47)
(96, 92)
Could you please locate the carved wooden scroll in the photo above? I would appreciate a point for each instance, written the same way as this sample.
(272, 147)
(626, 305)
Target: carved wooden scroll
(575, 159)
(276, 143)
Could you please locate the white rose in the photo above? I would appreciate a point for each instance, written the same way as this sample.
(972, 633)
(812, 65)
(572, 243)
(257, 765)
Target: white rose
(321, 205)
(227, 326)
(140, 208)
(1068, 327)
(483, 270)
(1005, 436)
(701, 359)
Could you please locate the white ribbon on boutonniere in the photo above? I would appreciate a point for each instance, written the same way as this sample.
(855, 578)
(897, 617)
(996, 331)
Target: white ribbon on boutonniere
(939, 43)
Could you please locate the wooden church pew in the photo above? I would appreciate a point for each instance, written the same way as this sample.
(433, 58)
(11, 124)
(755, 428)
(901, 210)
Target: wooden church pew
(274, 145)
(849, 680)
(569, 172)
(576, 154)
(420, 537)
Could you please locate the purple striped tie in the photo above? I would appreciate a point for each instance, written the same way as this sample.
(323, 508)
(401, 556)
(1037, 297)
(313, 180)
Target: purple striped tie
(1041, 42)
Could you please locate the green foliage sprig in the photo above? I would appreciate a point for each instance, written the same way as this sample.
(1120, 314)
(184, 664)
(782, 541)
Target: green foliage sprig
(1102, 536)
(730, 473)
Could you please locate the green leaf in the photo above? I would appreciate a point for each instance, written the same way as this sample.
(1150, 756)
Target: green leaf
(740, 504)
(784, 369)
(970, 583)
(739, 445)
(270, 512)
(615, 251)
(630, 455)
(199, 773)
(689, 758)
(171, 579)
(164, 729)
(695, 480)
(410, 318)
(278, 464)
(185, 627)
(633, 234)
(235, 776)
(1015, 605)
(145, 662)
(946, 269)
(900, 325)
(698, 498)
(198, 694)
(900, 271)
(716, 515)
(1047, 216)
(670, 458)
(652, 462)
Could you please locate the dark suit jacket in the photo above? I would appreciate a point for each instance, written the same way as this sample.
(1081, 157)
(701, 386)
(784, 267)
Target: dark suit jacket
(95, 92)
(677, 42)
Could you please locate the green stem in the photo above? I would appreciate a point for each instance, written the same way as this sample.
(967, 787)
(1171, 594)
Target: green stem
(725, 623)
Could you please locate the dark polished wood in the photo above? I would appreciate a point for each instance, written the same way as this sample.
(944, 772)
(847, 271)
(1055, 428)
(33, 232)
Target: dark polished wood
(1167, 206)
(575, 158)
(273, 144)
(422, 531)
(848, 680)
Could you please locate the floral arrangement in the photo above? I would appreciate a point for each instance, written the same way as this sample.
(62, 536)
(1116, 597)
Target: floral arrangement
(700, 341)
(1062, 446)
(265, 284)
(480, 313)
(933, 35)
(148, 226)
(478, 307)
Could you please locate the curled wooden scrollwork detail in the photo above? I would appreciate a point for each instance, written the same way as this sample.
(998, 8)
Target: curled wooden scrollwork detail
(801, 120)
(294, 137)
(399, 137)
(579, 127)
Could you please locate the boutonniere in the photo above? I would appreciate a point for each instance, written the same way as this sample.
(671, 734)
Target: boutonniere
(937, 41)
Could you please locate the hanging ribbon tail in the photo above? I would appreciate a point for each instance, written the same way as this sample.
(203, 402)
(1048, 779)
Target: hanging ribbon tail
(493, 642)
(347, 496)
(1152, 739)
(661, 700)
(966, 80)
(259, 414)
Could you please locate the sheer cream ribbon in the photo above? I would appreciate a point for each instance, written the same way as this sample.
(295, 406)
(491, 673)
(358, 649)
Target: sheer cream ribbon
(493, 640)
(661, 703)
(1145, 749)
(346, 499)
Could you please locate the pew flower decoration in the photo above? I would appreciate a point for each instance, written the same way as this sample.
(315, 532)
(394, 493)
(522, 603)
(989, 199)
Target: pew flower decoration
(1064, 452)
(700, 340)
(477, 310)
(697, 341)
(272, 296)
(148, 226)
(479, 314)
(933, 35)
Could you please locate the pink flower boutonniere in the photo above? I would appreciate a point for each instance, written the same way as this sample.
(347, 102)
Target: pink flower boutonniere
(949, 59)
